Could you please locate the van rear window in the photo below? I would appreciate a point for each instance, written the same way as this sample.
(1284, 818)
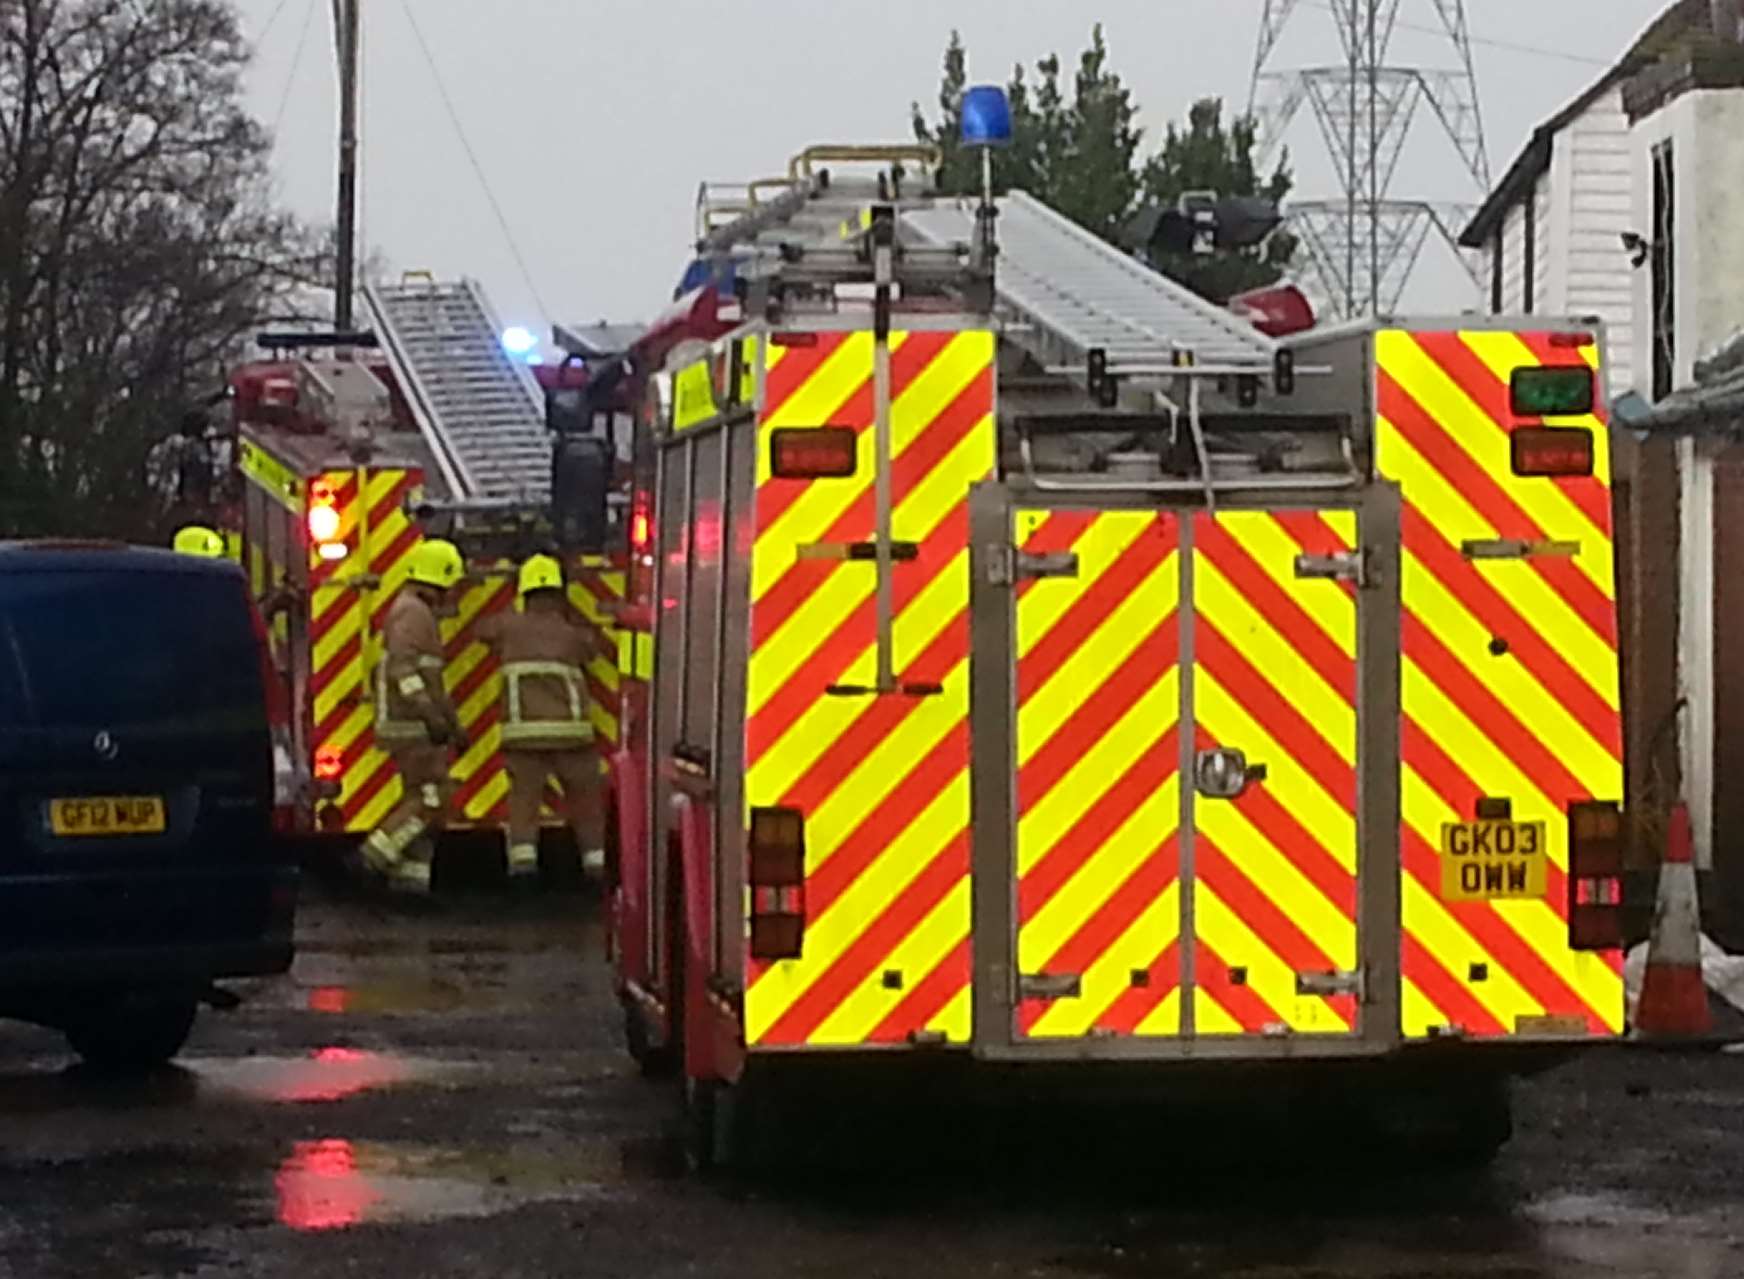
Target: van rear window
(116, 650)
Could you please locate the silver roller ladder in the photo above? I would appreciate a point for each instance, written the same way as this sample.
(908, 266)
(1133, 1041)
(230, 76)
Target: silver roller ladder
(1064, 293)
(481, 411)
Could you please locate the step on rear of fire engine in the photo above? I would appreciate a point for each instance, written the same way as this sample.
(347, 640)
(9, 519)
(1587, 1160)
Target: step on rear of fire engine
(481, 412)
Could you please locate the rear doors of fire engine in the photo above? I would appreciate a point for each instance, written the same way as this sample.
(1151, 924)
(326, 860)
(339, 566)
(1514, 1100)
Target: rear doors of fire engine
(1185, 729)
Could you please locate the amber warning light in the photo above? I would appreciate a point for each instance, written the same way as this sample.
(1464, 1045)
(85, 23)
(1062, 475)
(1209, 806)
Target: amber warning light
(1552, 450)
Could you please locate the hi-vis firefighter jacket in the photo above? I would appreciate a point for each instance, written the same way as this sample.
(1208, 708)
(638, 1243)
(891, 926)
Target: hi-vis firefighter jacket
(545, 697)
(412, 704)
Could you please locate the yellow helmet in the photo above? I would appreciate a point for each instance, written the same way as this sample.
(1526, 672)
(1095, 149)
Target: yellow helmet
(436, 563)
(196, 539)
(540, 573)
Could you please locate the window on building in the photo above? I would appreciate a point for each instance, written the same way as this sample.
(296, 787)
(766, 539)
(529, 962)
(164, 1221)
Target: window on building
(1663, 286)
(1496, 270)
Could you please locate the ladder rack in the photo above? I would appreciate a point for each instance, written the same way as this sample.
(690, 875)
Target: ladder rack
(481, 412)
(1065, 293)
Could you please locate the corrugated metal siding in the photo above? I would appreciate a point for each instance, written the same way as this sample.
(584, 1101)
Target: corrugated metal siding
(1600, 210)
(1542, 301)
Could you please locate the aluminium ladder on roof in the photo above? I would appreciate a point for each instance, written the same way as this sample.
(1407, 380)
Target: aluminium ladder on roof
(481, 411)
(1069, 292)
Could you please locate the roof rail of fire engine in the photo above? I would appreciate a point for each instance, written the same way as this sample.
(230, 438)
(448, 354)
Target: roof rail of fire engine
(480, 410)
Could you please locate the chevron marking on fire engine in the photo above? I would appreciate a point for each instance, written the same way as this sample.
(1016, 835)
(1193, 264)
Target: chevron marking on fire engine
(883, 781)
(1538, 724)
(1275, 869)
(1098, 779)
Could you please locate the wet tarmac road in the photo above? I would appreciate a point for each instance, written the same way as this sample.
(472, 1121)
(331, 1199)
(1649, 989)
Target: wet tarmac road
(446, 1096)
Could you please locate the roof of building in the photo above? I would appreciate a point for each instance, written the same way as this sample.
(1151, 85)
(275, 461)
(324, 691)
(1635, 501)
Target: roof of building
(1663, 37)
(1714, 403)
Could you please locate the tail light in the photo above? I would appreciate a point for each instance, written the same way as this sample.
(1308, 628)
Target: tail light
(1595, 876)
(1552, 450)
(286, 782)
(641, 522)
(813, 453)
(777, 874)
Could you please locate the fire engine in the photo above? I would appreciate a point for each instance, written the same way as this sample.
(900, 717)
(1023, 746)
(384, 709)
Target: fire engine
(1049, 666)
(352, 448)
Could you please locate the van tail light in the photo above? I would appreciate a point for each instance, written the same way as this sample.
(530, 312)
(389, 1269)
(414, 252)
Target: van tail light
(777, 881)
(1595, 876)
(286, 782)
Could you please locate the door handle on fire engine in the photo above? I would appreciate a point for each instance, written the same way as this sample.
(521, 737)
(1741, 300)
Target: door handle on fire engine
(1225, 773)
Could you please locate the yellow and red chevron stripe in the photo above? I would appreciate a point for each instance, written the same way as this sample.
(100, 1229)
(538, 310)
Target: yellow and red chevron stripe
(1275, 870)
(1098, 774)
(346, 616)
(1511, 683)
(883, 781)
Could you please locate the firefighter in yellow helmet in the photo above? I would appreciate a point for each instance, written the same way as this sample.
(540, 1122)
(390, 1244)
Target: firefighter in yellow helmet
(546, 726)
(196, 539)
(416, 722)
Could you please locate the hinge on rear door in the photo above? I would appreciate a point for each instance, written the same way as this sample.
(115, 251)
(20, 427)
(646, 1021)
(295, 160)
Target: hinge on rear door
(1324, 984)
(1346, 566)
(1006, 565)
(1049, 986)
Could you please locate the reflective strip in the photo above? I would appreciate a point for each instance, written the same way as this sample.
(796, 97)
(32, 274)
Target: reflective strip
(515, 672)
(555, 730)
(411, 876)
(883, 783)
(693, 396)
(1541, 727)
(432, 795)
(523, 858)
(274, 478)
(387, 728)
(411, 685)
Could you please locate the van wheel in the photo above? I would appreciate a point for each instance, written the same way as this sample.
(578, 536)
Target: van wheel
(654, 1062)
(134, 1033)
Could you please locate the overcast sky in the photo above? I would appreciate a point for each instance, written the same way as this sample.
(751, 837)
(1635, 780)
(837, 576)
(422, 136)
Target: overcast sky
(593, 121)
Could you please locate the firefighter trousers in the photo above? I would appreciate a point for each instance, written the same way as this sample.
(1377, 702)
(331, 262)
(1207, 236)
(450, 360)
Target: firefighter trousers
(577, 768)
(403, 846)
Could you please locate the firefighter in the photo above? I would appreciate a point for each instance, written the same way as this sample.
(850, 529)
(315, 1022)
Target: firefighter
(546, 726)
(197, 539)
(415, 720)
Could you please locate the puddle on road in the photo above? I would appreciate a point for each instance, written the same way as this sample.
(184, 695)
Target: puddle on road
(335, 1184)
(397, 997)
(325, 1075)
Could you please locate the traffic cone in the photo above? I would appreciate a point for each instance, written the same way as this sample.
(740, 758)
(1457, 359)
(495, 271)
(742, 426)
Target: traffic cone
(1674, 999)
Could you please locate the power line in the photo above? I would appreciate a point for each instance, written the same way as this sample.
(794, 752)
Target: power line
(1489, 42)
(472, 159)
(271, 22)
(296, 64)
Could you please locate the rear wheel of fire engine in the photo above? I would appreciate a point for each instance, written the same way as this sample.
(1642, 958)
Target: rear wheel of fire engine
(1450, 1122)
(655, 1061)
(132, 1033)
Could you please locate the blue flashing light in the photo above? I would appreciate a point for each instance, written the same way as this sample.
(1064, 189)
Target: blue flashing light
(986, 117)
(519, 341)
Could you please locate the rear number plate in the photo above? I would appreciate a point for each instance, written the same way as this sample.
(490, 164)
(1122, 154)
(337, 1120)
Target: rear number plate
(1489, 861)
(107, 815)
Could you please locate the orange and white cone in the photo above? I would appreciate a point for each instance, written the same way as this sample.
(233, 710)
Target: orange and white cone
(1674, 998)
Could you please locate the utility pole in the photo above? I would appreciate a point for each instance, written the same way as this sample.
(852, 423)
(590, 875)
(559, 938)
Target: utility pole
(346, 26)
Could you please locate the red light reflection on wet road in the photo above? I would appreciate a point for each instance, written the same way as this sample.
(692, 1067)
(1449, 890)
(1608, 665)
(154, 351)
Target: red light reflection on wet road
(320, 1188)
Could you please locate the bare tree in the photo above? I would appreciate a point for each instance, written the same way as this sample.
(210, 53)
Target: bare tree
(138, 247)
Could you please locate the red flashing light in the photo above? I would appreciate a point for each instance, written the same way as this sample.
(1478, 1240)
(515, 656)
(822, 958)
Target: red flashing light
(814, 453)
(1552, 450)
(329, 764)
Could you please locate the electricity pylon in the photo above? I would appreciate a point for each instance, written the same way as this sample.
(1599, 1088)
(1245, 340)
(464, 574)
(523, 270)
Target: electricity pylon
(1363, 242)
